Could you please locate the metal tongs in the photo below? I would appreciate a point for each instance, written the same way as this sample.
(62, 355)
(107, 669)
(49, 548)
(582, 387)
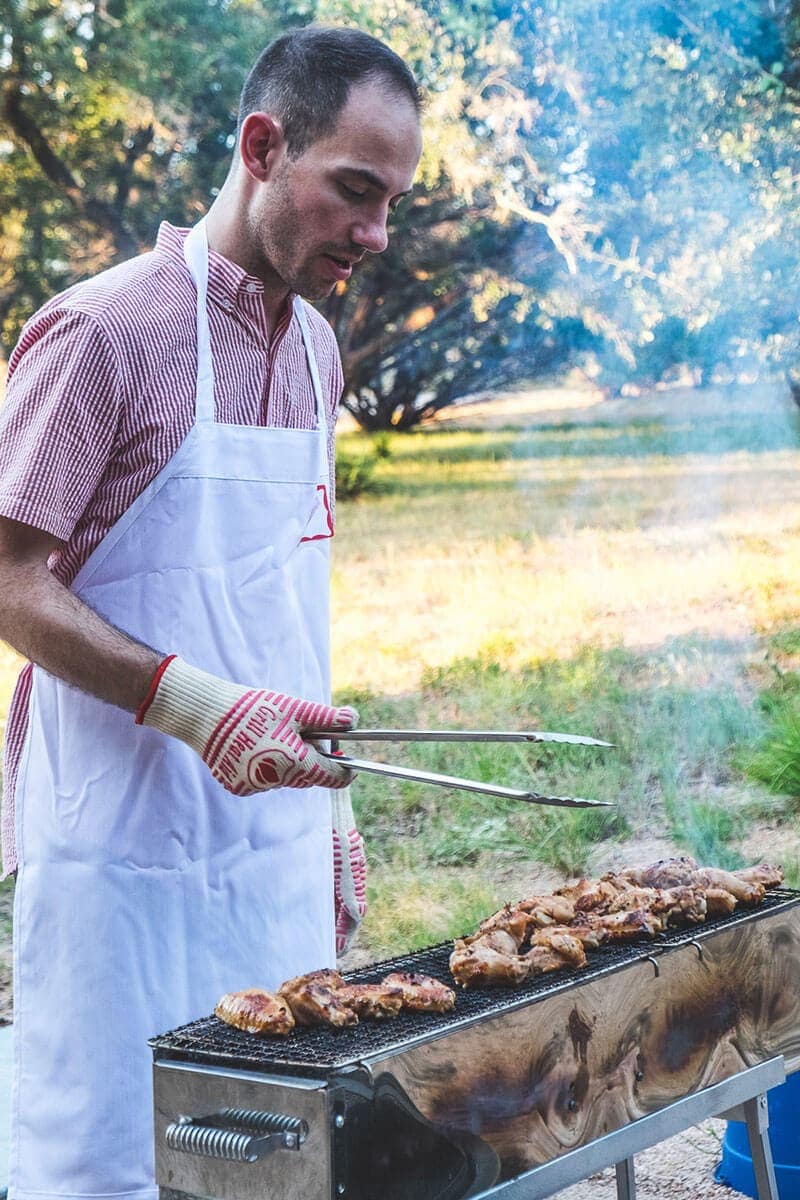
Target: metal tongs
(458, 735)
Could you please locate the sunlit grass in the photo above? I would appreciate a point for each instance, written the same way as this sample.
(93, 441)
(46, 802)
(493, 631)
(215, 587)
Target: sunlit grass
(411, 907)
(631, 572)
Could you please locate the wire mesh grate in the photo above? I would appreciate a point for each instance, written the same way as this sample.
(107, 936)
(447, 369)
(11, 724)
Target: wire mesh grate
(322, 1050)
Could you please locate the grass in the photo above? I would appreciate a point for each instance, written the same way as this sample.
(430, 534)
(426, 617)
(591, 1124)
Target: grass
(776, 760)
(674, 745)
(620, 577)
(630, 572)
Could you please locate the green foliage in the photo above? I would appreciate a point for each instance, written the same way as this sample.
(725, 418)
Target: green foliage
(668, 738)
(409, 909)
(115, 116)
(355, 475)
(785, 642)
(602, 183)
(382, 444)
(706, 831)
(777, 761)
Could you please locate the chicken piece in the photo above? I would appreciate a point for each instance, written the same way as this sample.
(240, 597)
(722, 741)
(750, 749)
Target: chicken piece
(495, 939)
(621, 882)
(547, 910)
(256, 1011)
(597, 898)
(719, 903)
(588, 936)
(541, 959)
(478, 965)
(678, 906)
(620, 926)
(713, 877)
(666, 873)
(573, 891)
(510, 920)
(766, 874)
(563, 942)
(314, 1000)
(375, 1000)
(422, 993)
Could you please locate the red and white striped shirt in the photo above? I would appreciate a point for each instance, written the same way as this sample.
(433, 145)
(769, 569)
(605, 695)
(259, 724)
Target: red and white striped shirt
(100, 394)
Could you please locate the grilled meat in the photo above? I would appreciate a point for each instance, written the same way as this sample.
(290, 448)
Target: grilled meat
(678, 905)
(745, 893)
(589, 936)
(422, 993)
(541, 959)
(597, 898)
(764, 873)
(547, 910)
(572, 892)
(619, 926)
(496, 939)
(511, 920)
(255, 1011)
(562, 941)
(666, 873)
(375, 1000)
(719, 903)
(546, 932)
(479, 965)
(314, 1000)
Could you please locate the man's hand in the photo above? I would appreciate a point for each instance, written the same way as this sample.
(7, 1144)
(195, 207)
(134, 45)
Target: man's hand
(249, 738)
(349, 871)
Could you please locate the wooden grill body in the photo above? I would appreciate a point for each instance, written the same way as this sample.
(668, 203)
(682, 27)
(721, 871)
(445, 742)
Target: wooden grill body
(472, 1102)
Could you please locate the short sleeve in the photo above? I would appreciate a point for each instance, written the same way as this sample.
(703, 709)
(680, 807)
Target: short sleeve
(59, 420)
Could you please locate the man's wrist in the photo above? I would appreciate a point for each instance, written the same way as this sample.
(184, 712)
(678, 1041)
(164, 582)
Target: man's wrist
(187, 703)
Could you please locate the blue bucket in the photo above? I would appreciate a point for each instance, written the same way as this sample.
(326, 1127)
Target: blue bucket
(736, 1168)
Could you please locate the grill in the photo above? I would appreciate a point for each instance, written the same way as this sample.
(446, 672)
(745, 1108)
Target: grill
(446, 1106)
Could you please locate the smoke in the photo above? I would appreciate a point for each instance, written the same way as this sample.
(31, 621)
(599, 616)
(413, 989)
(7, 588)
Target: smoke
(666, 182)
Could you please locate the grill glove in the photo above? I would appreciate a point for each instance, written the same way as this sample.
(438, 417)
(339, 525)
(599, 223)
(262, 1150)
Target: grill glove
(250, 739)
(349, 871)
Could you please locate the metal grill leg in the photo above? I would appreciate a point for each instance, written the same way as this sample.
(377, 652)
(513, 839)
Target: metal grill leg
(757, 1117)
(626, 1180)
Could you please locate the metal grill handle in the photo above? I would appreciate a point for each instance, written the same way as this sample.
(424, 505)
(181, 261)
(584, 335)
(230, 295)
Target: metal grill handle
(236, 1134)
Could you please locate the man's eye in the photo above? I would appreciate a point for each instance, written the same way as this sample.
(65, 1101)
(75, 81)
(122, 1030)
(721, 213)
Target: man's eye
(351, 192)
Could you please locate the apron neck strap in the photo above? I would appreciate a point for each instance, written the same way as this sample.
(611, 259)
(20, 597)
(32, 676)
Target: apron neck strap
(195, 252)
(311, 358)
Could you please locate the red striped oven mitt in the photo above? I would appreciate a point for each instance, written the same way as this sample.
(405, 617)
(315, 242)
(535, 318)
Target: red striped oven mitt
(251, 739)
(349, 870)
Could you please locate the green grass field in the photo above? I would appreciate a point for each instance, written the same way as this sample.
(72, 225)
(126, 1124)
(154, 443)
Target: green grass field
(626, 569)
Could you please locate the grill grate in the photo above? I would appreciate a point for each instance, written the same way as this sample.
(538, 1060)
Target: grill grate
(322, 1050)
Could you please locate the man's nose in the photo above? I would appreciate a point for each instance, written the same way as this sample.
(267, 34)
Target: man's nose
(370, 232)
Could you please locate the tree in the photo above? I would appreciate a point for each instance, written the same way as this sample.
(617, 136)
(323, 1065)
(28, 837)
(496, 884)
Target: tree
(116, 114)
(603, 183)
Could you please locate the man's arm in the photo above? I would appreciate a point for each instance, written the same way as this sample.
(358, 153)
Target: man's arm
(44, 621)
(250, 739)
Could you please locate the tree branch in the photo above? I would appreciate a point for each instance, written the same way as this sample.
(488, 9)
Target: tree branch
(97, 211)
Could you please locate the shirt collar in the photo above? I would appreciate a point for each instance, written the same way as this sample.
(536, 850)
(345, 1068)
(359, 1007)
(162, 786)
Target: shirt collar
(228, 283)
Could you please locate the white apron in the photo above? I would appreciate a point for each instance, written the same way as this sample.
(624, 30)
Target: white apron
(144, 889)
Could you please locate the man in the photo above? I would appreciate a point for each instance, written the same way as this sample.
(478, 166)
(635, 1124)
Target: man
(165, 514)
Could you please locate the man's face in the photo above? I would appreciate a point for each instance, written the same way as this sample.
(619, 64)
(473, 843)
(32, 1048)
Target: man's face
(320, 213)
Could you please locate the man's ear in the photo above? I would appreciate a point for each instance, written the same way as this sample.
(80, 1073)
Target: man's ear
(261, 144)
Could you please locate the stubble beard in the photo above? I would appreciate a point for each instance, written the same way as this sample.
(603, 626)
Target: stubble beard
(279, 239)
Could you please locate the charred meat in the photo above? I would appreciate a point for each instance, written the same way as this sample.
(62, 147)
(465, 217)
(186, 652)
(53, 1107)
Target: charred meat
(256, 1011)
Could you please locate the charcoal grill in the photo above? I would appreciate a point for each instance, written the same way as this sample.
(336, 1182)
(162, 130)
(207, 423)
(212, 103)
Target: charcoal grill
(480, 1100)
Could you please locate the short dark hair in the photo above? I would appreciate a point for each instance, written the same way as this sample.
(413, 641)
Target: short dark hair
(304, 78)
